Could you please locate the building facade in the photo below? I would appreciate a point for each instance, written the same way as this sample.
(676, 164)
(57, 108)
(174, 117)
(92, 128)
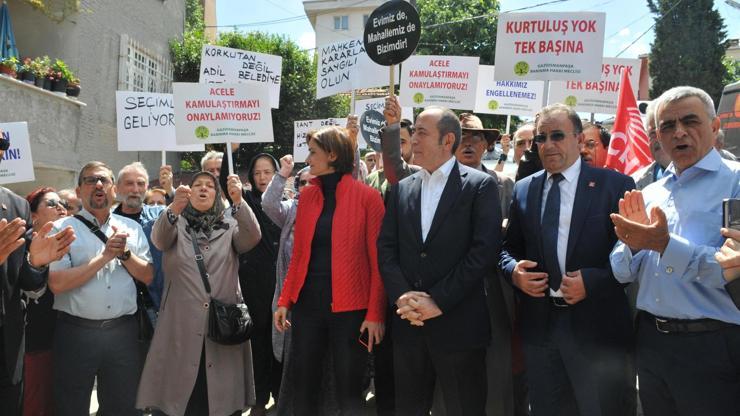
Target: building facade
(337, 20)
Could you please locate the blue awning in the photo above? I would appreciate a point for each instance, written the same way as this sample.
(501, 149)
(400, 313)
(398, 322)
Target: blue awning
(7, 40)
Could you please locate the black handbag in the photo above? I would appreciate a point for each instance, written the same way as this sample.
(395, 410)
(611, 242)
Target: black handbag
(228, 323)
(146, 329)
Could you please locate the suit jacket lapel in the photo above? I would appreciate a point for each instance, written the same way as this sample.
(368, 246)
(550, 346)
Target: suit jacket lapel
(447, 200)
(534, 200)
(413, 199)
(584, 192)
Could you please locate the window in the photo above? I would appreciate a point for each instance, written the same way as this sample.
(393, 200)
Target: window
(341, 22)
(142, 70)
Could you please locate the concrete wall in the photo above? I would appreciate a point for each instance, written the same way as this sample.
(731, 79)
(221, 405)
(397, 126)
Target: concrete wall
(90, 44)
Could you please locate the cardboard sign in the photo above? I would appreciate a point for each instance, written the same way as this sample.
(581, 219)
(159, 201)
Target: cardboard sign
(17, 164)
(210, 113)
(447, 81)
(516, 98)
(301, 128)
(344, 66)
(371, 122)
(550, 46)
(392, 32)
(597, 96)
(235, 66)
(146, 122)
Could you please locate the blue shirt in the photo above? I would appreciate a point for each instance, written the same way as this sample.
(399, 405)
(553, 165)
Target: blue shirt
(686, 282)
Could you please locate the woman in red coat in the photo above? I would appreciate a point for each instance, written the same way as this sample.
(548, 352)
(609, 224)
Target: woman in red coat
(333, 284)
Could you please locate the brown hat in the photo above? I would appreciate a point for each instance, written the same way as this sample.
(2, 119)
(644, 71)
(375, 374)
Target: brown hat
(471, 122)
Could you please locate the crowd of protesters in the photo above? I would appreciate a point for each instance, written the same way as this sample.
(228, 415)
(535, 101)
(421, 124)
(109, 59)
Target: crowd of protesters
(544, 285)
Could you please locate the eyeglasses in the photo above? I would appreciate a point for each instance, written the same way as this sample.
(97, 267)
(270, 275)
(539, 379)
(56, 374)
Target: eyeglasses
(93, 180)
(591, 144)
(557, 136)
(53, 203)
(523, 142)
(4, 144)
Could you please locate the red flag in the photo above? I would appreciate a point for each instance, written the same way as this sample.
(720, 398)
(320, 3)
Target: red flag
(629, 148)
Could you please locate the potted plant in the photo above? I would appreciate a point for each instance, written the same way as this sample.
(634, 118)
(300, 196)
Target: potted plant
(49, 78)
(62, 75)
(40, 67)
(8, 66)
(73, 87)
(25, 73)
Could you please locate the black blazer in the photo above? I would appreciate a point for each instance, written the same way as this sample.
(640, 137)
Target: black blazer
(603, 316)
(452, 264)
(15, 275)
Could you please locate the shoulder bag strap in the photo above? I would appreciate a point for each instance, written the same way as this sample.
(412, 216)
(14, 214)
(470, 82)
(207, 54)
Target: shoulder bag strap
(93, 228)
(199, 261)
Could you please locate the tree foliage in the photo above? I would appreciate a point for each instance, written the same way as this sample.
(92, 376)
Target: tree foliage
(297, 89)
(690, 42)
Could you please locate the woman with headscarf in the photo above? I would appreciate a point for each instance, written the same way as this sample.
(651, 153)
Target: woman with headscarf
(46, 206)
(257, 278)
(185, 372)
(333, 287)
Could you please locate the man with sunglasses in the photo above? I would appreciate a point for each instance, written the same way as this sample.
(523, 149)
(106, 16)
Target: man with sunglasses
(574, 319)
(595, 145)
(95, 296)
(23, 267)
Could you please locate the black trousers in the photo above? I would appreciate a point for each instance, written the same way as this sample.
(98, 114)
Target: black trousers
(568, 378)
(317, 331)
(80, 353)
(267, 370)
(688, 373)
(461, 374)
(385, 394)
(10, 394)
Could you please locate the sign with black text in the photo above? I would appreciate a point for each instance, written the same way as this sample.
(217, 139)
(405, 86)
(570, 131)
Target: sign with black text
(370, 123)
(344, 66)
(448, 81)
(17, 164)
(392, 32)
(301, 129)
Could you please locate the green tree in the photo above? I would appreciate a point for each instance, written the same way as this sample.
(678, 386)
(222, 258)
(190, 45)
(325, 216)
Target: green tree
(186, 52)
(690, 42)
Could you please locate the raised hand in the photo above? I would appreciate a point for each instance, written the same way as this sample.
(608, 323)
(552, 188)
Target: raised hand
(392, 111)
(47, 248)
(181, 200)
(116, 244)
(165, 179)
(234, 187)
(286, 166)
(636, 229)
(11, 237)
(353, 126)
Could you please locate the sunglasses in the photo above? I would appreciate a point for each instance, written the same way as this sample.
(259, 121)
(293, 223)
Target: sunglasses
(303, 182)
(4, 144)
(93, 180)
(557, 136)
(53, 203)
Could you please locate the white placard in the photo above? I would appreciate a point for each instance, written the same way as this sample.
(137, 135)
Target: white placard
(146, 122)
(17, 163)
(550, 46)
(236, 66)
(597, 96)
(302, 127)
(377, 104)
(448, 81)
(344, 66)
(217, 113)
(516, 98)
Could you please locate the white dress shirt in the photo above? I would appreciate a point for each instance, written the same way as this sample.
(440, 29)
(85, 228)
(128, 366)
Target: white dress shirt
(432, 185)
(568, 187)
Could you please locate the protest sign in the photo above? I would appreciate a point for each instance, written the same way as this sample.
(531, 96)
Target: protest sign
(378, 104)
(235, 66)
(302, 127)
(392, 32)
(370, 123)
(344, 66)
(550, 46)
(516, 98)
(146, 122)
(448, 81)
(220, 113)
(597, 96)
(17, 163)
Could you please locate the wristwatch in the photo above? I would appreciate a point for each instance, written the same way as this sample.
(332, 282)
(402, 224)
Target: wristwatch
(502, 158)
(125, 256)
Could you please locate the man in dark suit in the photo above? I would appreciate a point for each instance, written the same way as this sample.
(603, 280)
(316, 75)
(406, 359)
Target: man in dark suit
(440, 234)
(574, 322)
(22, 267)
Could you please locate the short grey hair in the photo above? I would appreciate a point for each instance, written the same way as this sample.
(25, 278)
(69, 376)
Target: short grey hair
(212, 155)
(561, 108)
(721, 136)
(650, 114)
(133, 167)
(523, 127)
(448, 123)
(685, 91)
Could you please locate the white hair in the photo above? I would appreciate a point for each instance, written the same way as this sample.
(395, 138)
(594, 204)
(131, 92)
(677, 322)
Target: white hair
(212, 155)
(685, 91)
(136, 166)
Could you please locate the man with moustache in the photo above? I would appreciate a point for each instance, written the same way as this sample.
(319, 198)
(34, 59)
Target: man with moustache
(96, 331)
(595, 145)
(688, 338)
(574, 319)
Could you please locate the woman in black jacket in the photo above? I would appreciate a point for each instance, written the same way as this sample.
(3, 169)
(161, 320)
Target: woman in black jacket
(257, 280)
